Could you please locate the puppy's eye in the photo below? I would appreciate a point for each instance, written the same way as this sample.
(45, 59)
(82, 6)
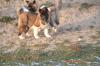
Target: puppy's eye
(40, 10)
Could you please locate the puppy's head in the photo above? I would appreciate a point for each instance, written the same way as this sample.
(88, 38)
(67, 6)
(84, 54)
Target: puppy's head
(44, 13)
(43, 10)
(32, 6)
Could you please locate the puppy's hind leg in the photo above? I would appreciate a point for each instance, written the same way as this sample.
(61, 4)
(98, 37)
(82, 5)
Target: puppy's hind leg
(21, 30)
(20, 35)
(27, 31)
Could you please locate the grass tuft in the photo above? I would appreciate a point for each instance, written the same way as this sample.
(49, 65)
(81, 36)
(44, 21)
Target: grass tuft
(85, 6)
(6, 19)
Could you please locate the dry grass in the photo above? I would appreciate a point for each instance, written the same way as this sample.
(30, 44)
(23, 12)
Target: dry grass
(76, 39)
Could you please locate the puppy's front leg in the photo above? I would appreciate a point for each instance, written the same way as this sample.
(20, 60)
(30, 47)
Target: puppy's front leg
(36, 32)
(46, 33)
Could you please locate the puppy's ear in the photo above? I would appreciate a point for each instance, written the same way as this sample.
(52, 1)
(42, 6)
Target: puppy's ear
(34, 1)
(40, 11)
(27, 2)
(46, 9)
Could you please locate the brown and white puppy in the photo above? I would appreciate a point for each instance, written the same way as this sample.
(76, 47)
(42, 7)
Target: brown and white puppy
(35, 22)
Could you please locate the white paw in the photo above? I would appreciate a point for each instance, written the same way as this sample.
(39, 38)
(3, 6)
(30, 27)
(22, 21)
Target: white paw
(21, 37)
(54, 29)
(48, 36)
(36, 37)
(27, 34)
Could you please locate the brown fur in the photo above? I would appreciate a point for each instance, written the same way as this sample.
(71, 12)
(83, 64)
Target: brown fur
(27, 20)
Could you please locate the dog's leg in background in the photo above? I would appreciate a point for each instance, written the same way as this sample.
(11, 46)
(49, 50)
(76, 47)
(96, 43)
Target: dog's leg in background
(56, 20)
(46, 33)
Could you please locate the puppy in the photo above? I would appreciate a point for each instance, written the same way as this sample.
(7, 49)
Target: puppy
(34, 22)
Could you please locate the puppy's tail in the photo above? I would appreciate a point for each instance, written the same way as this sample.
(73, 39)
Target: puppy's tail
(19, 10)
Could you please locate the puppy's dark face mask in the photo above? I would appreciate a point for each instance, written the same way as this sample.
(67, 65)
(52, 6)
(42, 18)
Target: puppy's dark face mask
(44, 13)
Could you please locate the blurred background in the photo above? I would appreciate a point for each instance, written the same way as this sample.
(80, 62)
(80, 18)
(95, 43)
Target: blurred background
(8, 7)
